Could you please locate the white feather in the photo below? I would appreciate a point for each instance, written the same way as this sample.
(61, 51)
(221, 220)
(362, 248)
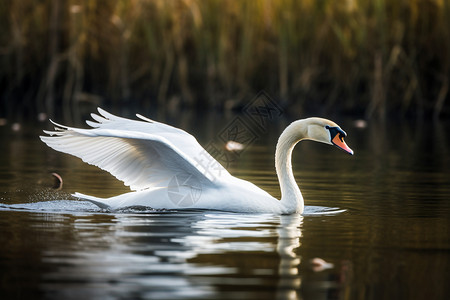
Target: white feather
(141, 154)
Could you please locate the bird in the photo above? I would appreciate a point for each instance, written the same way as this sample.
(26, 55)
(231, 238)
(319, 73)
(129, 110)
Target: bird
(167, 169)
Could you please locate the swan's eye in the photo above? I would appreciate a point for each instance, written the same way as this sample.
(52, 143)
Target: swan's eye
(336, 132)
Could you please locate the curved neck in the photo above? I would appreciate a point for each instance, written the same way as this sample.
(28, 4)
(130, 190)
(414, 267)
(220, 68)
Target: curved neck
(291, 197)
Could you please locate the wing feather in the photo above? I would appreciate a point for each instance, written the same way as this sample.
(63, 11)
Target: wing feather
(142, 154)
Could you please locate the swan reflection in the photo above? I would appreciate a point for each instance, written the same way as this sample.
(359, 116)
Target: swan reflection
(171, 255)
(289, 234)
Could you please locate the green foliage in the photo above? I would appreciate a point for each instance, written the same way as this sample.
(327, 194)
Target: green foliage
(352, 56)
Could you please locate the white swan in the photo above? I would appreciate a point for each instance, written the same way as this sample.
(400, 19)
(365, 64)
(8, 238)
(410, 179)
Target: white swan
(168, 169)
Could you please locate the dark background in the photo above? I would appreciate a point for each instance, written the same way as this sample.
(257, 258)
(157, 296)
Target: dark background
(363, 58)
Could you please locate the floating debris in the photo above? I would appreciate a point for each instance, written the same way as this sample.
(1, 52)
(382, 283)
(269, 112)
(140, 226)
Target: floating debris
(16, 127)
(233, 146)
(58, 182)
(42, 117)
(318, 264)
(361, 124)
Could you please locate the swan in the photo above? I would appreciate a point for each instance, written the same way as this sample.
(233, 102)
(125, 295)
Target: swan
(166, 168)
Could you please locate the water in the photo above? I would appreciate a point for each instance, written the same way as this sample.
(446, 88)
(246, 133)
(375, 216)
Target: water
(392, 241)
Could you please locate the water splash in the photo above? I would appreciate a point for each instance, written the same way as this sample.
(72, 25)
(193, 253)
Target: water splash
(54, 206)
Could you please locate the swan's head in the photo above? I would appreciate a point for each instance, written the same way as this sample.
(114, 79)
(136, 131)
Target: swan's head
(326, 131)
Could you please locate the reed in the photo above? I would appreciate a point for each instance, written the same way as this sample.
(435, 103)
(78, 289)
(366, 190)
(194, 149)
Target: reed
(372, 58)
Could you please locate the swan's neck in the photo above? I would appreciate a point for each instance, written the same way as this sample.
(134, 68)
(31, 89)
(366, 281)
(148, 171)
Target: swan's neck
(291, 197)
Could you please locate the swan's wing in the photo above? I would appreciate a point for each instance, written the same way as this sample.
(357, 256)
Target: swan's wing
(141, 154)
(178, 137)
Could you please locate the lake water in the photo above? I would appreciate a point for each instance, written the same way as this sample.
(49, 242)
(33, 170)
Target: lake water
(391, 242)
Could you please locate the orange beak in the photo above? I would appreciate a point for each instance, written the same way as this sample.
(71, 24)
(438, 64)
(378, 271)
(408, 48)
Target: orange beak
(338, 140)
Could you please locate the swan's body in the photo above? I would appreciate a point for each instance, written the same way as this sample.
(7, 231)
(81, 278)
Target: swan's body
(168, 169)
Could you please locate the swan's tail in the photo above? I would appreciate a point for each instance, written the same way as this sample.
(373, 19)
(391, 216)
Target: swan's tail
(100, 202)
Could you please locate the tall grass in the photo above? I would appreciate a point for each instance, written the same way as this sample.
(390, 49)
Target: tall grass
(371, 58)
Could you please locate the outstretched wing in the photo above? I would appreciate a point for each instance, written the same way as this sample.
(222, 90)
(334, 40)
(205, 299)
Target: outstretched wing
(142, 154)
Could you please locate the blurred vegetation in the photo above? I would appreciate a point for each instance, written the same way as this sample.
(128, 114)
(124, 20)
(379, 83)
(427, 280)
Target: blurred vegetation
(368, 58)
